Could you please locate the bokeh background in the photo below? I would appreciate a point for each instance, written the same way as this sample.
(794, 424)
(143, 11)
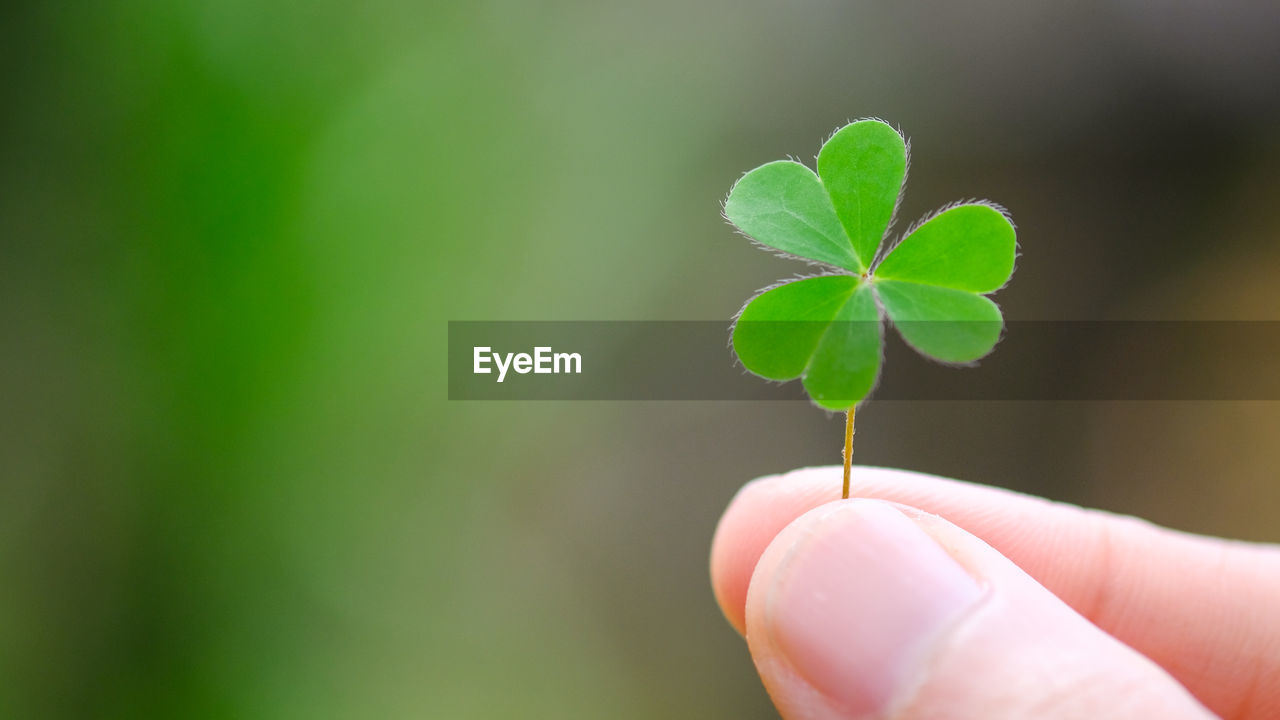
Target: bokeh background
(231, 483)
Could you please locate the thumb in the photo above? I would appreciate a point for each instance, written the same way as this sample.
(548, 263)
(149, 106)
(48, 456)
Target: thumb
(861, 608)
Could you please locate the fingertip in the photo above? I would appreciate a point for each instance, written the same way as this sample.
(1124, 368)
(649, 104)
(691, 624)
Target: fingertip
(756, 514)
(730, 549)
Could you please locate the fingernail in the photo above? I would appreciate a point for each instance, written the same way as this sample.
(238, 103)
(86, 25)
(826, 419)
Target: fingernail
(861, 601)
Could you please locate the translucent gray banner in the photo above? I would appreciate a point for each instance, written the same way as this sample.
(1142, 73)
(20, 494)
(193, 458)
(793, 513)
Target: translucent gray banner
(1088, 361)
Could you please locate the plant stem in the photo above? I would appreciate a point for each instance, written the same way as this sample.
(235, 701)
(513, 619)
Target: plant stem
(848, 450)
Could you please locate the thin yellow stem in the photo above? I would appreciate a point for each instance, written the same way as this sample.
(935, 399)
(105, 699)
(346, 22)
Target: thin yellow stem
(848, 450)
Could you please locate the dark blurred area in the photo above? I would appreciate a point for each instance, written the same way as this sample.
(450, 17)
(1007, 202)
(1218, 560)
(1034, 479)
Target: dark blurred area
(232, 235)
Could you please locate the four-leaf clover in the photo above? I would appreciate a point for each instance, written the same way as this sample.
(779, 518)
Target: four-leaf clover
(932, 284)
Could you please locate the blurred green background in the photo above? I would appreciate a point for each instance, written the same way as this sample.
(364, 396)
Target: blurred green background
(231, 484)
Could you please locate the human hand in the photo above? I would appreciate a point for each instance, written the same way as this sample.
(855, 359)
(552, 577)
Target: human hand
(929, 598)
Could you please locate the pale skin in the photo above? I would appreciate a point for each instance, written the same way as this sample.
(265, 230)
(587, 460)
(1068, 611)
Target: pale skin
(920, 597)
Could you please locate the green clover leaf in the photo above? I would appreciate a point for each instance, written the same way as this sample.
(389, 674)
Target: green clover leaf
(931, 285)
